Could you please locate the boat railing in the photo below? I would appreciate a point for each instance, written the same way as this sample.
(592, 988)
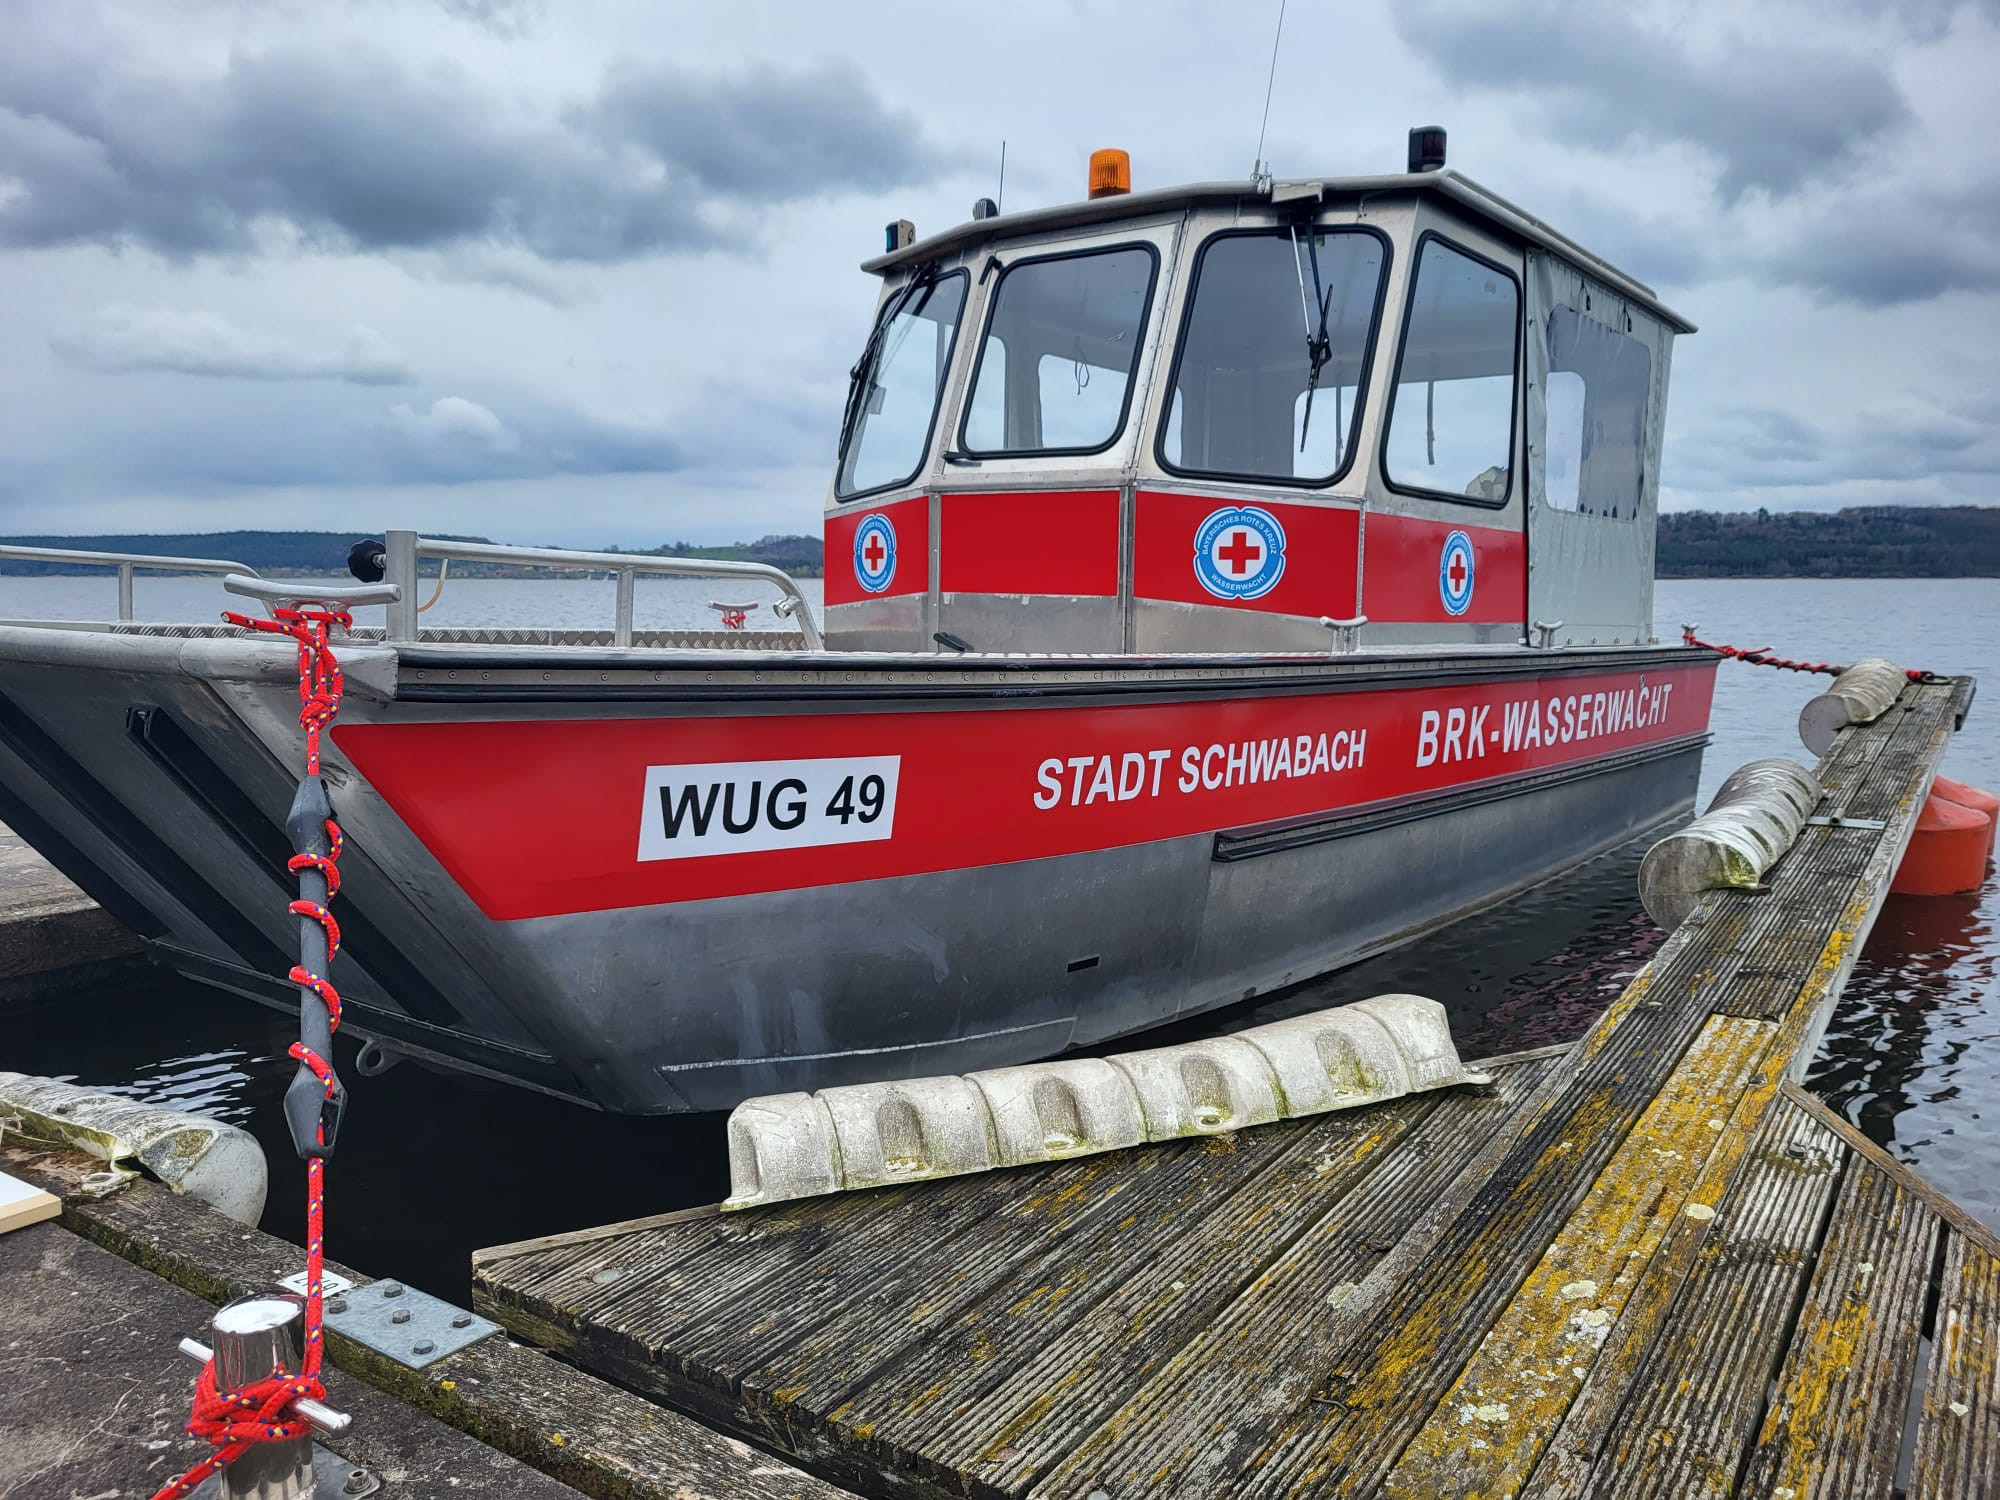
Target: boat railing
(406, 550)
(127, 563)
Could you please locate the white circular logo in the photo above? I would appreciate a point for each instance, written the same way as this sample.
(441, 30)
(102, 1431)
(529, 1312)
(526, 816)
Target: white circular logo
(1239, 552)
(1455, 573)
(875, 553)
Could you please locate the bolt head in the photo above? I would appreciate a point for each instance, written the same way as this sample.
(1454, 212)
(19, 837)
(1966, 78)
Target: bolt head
(392, 1288)
(422, 1346)
(463, 1320)
(337, 1305)
(400, 1315)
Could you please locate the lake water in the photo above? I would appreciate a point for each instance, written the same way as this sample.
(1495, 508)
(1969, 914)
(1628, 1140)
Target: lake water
(433, 1166)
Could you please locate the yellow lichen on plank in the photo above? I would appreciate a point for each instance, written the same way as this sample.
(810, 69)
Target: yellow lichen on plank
(1484, 1437)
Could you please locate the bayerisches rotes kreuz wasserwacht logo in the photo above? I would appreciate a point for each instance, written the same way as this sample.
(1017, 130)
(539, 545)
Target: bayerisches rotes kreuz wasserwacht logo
(875, 553)
(1239, 552)
(1455, 573)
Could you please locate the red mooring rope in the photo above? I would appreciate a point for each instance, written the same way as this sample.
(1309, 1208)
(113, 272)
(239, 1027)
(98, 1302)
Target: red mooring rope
(1761, 656)
(234, 1421)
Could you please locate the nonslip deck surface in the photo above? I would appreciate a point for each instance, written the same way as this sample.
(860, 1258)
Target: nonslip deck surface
(1643, 1265)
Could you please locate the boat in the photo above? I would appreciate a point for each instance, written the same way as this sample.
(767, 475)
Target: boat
(1223, 583)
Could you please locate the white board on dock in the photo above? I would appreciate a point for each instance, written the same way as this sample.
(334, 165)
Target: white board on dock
(22, 1204)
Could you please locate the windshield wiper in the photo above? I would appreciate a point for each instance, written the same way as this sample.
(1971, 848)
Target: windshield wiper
(861, 379)
(1319, 346)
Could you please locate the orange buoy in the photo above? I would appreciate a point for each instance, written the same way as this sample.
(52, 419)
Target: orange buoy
(1974, 798)
(1947, 853)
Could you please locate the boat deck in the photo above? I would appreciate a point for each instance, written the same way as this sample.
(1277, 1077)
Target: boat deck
(1646, 1264)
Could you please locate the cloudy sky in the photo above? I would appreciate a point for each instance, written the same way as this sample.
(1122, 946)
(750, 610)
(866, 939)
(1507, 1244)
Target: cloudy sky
(549, 270)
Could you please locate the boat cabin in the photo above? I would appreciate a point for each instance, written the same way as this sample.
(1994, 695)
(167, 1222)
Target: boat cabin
(1242, 417)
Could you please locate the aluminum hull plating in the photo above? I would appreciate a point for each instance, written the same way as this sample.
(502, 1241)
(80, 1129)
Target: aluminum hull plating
(1064, 851)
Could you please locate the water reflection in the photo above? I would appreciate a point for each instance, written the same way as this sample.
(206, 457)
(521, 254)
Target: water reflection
(1907, 1055)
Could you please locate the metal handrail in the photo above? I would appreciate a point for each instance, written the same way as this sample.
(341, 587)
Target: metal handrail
(126, 563)
(406, 549)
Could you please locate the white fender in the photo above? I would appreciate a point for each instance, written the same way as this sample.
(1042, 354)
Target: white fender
(1756, 815)
(1048, 1111)
(867, 1135)
(206, 1159)
(1860, 695)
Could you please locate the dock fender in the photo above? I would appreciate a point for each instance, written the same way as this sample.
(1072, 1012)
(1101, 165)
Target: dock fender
(1201, 1088)
(1947, 851)
(1976, 798)
(207, 1159)
(1859, 695)
(1755, 817)
(908, 1131)
(1047, 1111)
(781, 1146)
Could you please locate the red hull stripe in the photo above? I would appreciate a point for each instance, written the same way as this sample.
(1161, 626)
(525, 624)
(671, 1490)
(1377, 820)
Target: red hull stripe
(1318, 575)
(911, 523)
(1030, 542)
(1405, 556)
(539, 818)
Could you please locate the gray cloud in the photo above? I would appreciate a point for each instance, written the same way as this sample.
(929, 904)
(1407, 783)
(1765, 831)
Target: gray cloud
(1776, 117)
(1896, 240)
(768, 132)
(350, 150)
(1951, 445)
(199, 342)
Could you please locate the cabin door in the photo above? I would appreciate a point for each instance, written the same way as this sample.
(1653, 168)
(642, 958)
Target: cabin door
(1597, 380)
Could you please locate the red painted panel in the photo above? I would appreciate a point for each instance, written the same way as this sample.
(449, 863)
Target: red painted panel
(1319, 545)
(909, 521)
(1403, 562)
(1029, 542)
(539, 817)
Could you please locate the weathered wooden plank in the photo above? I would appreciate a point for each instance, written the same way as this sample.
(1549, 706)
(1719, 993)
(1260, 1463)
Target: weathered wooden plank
(558, 1419)
(1322, 1230)
(1487, 1432)
(1697, 1390)
(1958, 1431)
(1256, 1358)
(1835, 1424)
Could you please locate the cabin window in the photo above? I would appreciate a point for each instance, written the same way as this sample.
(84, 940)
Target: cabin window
(1246, 401)
(1600, 387)
(1451, 423)
(1055, 369)
(892, 413)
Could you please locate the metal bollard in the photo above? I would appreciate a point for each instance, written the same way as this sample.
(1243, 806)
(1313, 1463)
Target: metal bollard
(254, 1336)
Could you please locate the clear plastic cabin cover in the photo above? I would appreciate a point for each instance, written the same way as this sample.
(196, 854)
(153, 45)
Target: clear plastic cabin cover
(1597, 389)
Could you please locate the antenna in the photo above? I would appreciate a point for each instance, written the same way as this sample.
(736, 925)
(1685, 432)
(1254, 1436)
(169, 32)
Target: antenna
(1000, 198)
(1257, 167)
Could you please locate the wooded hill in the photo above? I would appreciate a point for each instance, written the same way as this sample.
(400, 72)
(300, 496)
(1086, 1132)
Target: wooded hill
(1872, 541)
(1876, 541)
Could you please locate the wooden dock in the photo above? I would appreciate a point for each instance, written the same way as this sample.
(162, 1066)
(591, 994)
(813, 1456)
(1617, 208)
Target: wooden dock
(1646, 1264)
(48, 926)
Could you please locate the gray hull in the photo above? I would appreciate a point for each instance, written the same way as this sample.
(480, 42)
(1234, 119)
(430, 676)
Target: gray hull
(155, 771)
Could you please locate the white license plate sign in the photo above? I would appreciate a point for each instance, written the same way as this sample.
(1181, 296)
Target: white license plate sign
(741, 806)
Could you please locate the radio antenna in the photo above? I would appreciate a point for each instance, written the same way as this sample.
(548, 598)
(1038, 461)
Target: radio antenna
(1000, 198)
(1257, 167)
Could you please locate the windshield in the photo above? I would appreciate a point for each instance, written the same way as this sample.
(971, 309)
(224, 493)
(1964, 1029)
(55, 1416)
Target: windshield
(1055, 371)
(894, 395)
(1268, 379)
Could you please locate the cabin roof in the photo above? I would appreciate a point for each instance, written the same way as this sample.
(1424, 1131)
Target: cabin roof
(1464, 194)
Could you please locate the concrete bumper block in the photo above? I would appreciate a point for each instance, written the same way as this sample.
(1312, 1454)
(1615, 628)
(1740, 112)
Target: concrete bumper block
(874, 1134)
(1859, 695)
(906, 1132)
(1201, 1088)
(206, 1159)
(781, 1146)
(1755, 817)
(1048, 1111)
